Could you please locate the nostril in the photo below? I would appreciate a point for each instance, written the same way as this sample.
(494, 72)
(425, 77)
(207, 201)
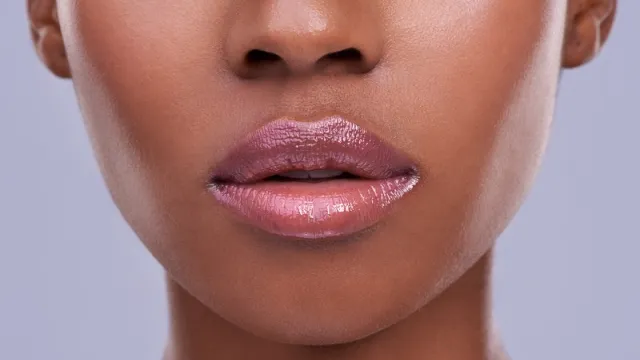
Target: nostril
(350, 54)
(259, 63)
(350, 60)
(261, 57)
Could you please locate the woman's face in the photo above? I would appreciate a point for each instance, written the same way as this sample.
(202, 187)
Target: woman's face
(460, 92)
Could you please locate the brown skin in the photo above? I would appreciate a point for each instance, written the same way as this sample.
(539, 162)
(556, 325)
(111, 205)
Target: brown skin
(466, 88)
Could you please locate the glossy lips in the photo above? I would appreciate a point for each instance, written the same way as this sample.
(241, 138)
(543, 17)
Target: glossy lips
(312, 180)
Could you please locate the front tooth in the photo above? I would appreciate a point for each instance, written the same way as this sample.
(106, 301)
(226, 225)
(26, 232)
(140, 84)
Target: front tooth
(313, 174)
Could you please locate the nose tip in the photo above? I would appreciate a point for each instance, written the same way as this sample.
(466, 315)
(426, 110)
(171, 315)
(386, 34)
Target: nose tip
(294, 37)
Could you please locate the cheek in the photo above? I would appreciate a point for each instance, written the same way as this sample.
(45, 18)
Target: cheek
(148, 82)
(458, 80)
(476, 88)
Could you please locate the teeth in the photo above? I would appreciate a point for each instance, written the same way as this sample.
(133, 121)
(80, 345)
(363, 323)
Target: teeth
(313, 174)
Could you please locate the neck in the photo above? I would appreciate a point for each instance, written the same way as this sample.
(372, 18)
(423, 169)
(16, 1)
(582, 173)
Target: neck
(456, 325)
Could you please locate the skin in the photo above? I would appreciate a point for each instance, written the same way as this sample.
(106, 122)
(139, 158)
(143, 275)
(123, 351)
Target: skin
(465, 87)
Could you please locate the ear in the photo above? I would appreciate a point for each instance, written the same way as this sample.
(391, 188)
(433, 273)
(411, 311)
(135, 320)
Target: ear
(47, 37)
(588, 25)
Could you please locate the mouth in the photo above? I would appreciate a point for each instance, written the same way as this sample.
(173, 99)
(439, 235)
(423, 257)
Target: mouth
(312, 180)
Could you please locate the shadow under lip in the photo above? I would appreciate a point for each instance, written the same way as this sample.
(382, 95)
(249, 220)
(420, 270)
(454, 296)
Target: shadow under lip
(327, 244)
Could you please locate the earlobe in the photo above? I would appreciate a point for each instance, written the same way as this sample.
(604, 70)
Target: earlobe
(47, 37)
(589, 23)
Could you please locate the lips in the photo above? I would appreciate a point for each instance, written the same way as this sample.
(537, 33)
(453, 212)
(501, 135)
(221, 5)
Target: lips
(312, 180)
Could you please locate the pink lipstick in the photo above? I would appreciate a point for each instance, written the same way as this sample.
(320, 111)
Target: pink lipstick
(312, 180)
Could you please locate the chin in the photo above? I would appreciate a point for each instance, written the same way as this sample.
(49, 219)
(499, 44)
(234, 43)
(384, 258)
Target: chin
(308, 330)
(314, 320)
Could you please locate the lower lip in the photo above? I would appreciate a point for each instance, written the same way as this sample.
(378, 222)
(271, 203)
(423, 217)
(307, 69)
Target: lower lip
(314, 210)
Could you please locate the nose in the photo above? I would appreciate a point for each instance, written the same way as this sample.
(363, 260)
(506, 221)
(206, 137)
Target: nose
(298, 37)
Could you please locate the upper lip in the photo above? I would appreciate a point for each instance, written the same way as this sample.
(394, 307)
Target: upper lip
(332, 143)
